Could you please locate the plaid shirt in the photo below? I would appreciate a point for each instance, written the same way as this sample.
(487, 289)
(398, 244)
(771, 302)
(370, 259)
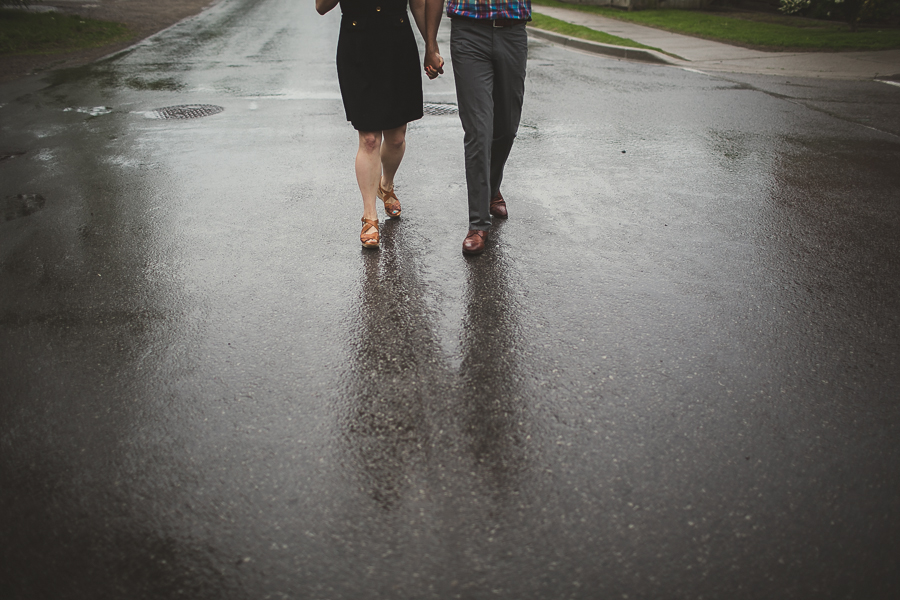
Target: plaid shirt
(490, 9)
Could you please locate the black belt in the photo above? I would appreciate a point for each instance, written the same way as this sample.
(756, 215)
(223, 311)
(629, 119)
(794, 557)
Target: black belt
(489, 22)
(377, 18)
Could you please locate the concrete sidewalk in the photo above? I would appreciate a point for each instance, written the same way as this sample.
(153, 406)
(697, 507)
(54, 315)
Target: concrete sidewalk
(706, 55)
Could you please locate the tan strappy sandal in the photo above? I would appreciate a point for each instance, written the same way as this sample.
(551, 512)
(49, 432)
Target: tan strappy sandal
(369, 234)
(391, 202)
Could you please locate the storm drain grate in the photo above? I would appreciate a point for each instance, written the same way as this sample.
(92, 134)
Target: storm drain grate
(438, 109)
(185, 111)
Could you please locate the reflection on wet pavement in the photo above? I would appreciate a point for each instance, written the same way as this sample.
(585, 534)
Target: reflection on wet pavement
(493, 399)
(395, 366)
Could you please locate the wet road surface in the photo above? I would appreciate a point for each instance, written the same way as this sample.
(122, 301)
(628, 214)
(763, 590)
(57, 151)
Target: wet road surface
(674, 374)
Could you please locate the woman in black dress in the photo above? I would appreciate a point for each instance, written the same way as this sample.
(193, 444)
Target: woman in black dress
(381, 85)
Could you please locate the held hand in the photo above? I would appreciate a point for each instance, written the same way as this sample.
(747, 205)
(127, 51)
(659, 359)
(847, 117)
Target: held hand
(434, 65)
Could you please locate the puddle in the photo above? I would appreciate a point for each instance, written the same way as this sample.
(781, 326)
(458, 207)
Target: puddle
(94, 112)
(166, 84)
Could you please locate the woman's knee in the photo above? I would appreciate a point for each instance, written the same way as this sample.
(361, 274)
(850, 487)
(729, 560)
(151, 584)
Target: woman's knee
(395, 138)
(370, 141)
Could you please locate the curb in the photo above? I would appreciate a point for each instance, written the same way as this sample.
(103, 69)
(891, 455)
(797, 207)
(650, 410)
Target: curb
(149, 38)
(640, 54)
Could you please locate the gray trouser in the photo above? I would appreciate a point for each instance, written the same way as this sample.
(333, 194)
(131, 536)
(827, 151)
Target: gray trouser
(489, 69)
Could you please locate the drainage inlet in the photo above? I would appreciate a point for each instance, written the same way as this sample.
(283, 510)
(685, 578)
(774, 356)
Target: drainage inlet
(185, 111)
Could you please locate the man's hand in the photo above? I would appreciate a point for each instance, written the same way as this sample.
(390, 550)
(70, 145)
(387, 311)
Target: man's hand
(434, 64)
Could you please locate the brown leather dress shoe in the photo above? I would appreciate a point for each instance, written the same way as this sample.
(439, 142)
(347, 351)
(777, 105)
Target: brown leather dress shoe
(498, 206)
(474, 242)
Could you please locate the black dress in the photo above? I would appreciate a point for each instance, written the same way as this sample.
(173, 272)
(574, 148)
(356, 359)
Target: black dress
(378, 65)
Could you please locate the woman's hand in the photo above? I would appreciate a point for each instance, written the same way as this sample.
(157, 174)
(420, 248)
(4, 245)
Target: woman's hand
(434, 64)
(323, 6)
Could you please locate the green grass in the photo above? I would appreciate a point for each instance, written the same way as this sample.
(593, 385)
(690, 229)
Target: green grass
(585, 33)
(23, 32)
(772, 32)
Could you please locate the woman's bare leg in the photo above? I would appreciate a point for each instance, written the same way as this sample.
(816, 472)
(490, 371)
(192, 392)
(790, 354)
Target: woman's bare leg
(368, 170)
(392, 151)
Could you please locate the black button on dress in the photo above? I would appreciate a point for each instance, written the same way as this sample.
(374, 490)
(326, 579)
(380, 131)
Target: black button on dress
(378, 65)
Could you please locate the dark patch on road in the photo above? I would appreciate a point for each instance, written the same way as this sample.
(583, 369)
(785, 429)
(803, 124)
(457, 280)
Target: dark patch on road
(7, 154)
(22, 205)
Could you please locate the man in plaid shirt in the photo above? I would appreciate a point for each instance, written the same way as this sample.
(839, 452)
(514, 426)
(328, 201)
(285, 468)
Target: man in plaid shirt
(489, 47)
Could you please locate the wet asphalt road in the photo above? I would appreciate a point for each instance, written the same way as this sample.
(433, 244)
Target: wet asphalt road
(674, 374)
